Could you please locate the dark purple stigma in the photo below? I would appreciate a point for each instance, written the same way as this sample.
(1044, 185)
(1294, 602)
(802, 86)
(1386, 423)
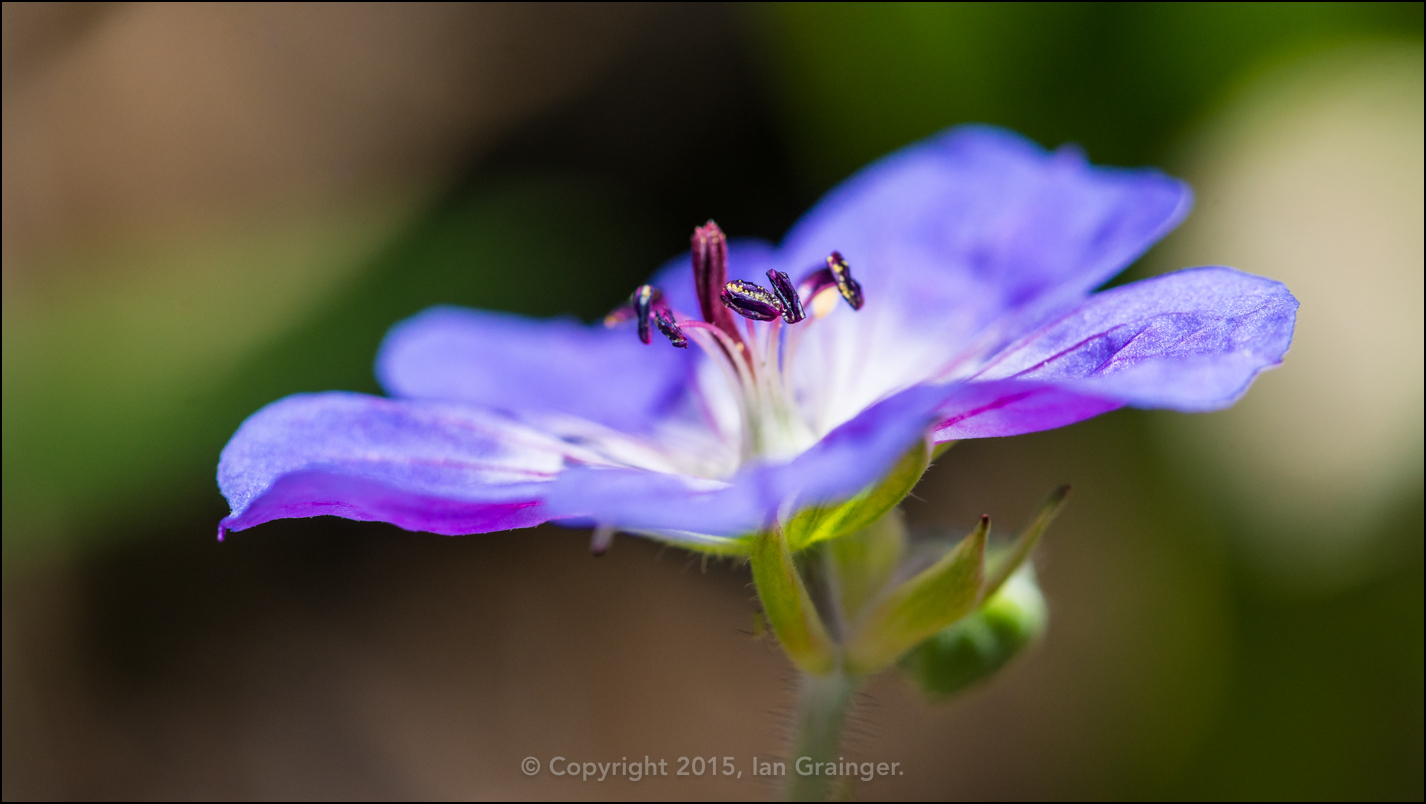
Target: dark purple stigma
(643, 300)
(846, 285)
(750, 300)
(710, 272)
(664, 320)
(787, 297)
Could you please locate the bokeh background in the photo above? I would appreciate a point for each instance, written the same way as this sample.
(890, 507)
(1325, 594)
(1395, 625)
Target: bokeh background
(206, 207)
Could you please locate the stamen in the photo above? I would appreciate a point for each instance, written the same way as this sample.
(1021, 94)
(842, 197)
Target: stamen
(666, 325)
(728, 356)
(837, 273)
(643, 309)
(754, 359)
(787, 297)
(842, 273)
(643, 299)
(752, 301)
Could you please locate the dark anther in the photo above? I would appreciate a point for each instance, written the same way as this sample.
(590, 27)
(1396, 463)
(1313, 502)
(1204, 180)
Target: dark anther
(838, 273)
(842, 274)
(787, 297)
(643, 309)
(710, 272)
(665, 323)
(644, 299)
(750, 300)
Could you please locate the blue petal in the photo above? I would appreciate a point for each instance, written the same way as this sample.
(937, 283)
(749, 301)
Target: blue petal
(1013, 407)
(509, 362)
(1192, 341)
(420, 465)
(977, 220)
(961, 244)
(845, 461)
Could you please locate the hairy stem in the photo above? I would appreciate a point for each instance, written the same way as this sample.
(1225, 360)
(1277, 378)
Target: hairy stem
(821, 713)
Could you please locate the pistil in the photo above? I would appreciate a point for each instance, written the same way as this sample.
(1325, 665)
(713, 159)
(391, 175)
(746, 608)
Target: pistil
(756, 363)
(710, 274)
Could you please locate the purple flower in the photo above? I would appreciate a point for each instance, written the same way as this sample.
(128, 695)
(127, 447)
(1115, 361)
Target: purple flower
(944, 291)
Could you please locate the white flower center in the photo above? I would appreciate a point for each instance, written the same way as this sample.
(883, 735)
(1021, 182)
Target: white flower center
(758, 370)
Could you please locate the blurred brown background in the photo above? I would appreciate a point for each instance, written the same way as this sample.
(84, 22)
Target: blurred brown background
(206, 207)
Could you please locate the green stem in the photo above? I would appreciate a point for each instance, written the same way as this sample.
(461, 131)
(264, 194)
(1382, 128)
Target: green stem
(821, 713)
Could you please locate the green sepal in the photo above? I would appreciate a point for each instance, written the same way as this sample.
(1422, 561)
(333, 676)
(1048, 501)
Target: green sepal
(914, 611)
(941, 448)
(788, 607)
(819, 523)
(1002, 564)
(971, 650)
(713, 546)
(859, 564)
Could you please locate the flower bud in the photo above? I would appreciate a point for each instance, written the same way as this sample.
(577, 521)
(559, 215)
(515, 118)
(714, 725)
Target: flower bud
(972, 649)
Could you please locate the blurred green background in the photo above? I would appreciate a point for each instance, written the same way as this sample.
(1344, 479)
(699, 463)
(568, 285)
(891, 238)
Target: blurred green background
(209, 207)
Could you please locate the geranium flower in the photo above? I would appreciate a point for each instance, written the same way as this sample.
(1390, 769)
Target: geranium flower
(941, 293)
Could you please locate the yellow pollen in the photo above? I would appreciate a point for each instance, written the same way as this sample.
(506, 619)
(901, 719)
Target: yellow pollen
(824, 302)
